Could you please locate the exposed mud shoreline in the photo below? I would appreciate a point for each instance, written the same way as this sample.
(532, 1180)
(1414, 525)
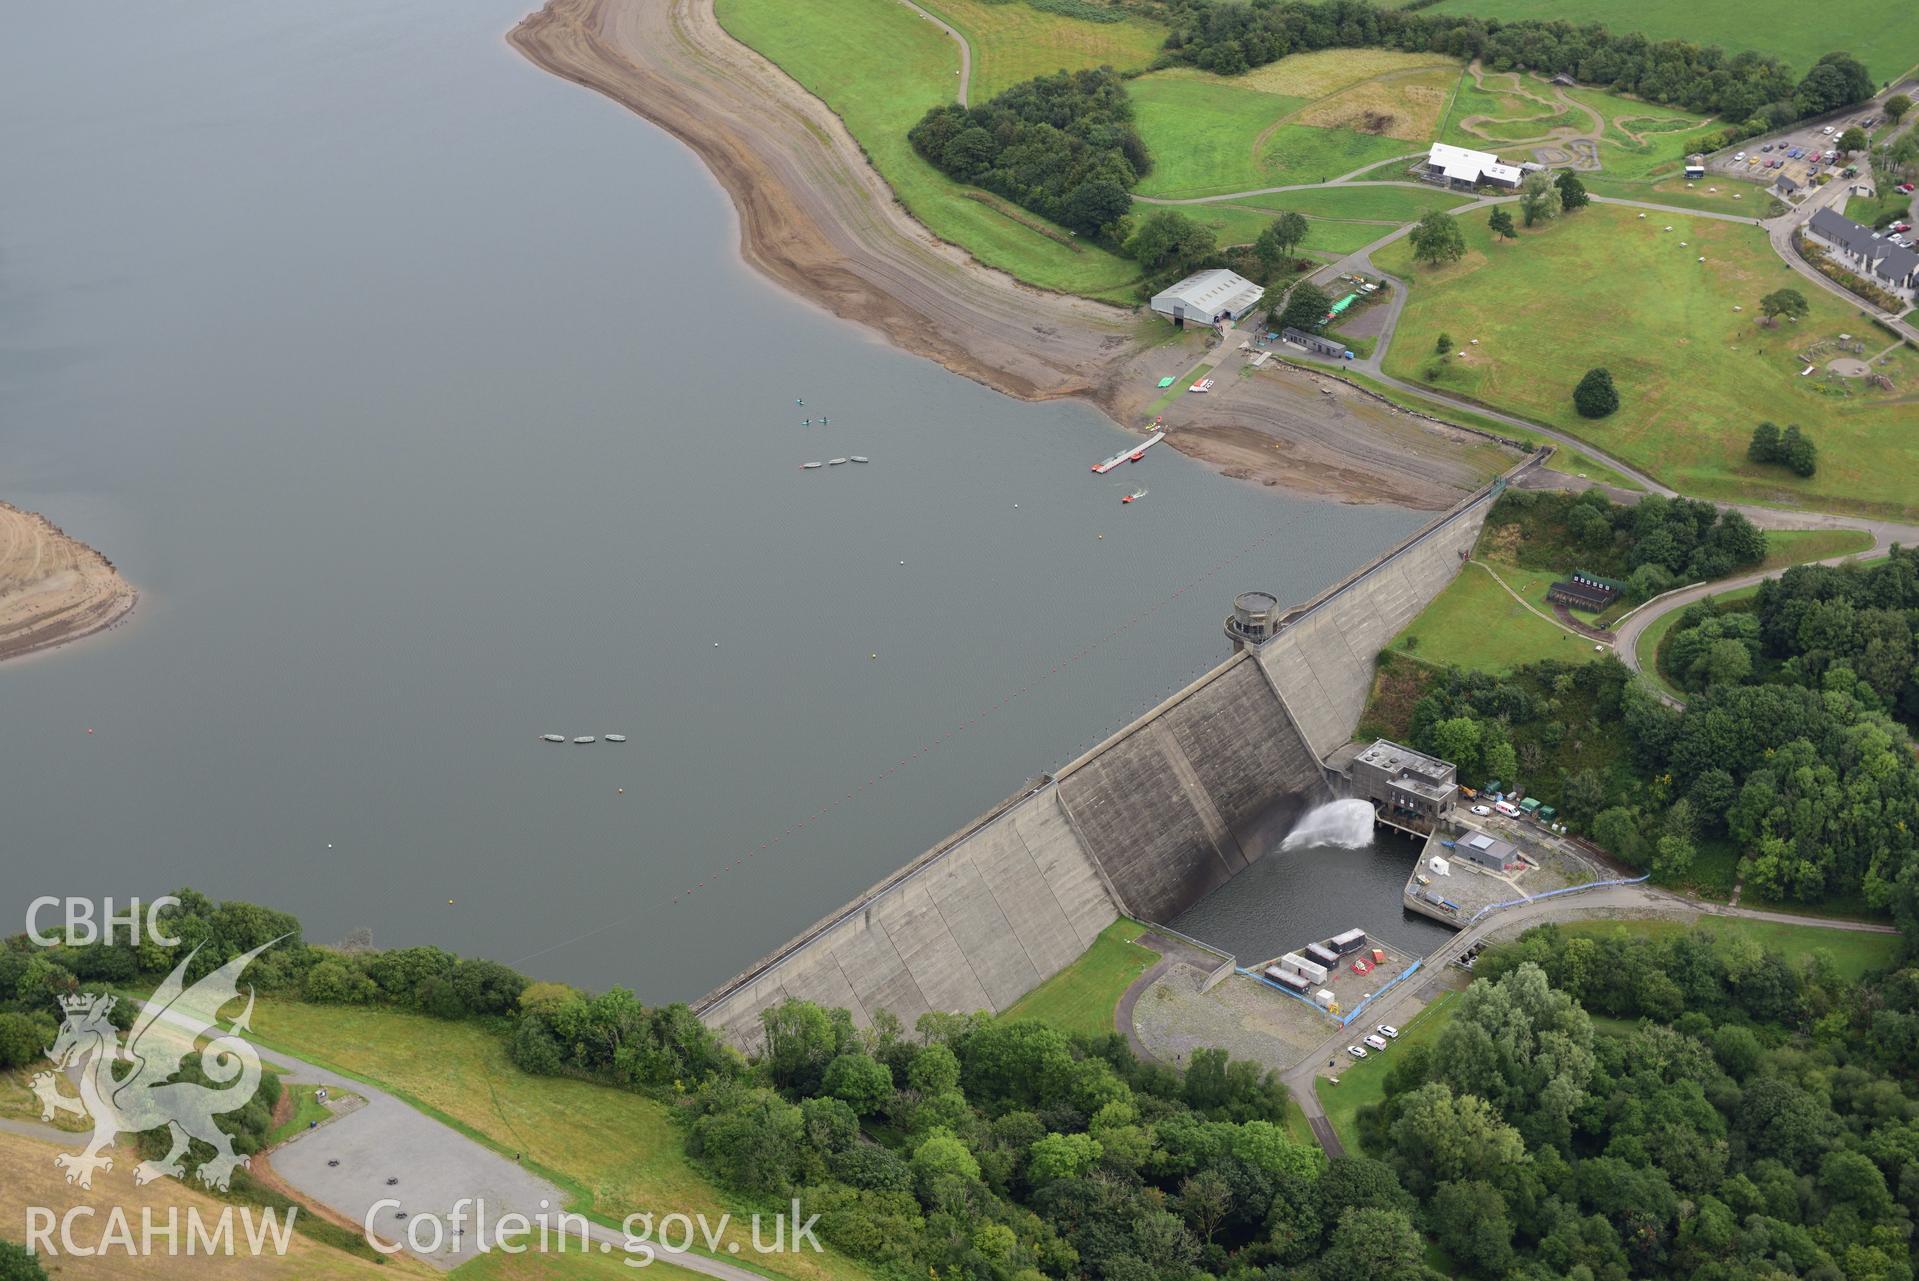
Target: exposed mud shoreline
(53, 589)
(818, 219)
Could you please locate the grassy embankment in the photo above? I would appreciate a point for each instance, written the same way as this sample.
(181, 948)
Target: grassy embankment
(900, 65)
(615, 1152)
(1303, 119)
(1606, 287)
(28, 1177)
(1082, 997)
(1853, 952)
(1476, 623)
(1015, 42)
(1878, 32)
(1341, 219)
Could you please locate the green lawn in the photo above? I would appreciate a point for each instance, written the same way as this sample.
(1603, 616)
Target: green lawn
(1200, 130)
(880, 85)
(1083, 996)
(1710, 195)
(307, 1110)
(570, 1265)
(1014, 42)
(1880, 33)
(615, 1152)
(1642, 139)
(1363, 1083)
(1854, 952)
(1797, 546)
(1870, 209)
(1607, 287)
(1375, 203)
(1475, 623)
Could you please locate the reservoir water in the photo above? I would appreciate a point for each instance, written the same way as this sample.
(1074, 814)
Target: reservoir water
(426, 400)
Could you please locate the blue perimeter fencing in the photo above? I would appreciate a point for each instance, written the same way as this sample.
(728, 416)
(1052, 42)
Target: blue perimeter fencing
(1357, 1010)
(1570, 889)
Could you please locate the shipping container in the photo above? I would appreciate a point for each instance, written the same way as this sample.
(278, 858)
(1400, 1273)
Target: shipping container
(1308, 969)
(1292, 982)
(1350, 941)
(1322, 954)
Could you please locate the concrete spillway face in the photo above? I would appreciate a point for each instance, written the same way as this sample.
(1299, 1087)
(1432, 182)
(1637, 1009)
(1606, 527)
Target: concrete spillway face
(1190, 798)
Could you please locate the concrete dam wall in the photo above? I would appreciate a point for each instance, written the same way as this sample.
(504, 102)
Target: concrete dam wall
(1144, 824)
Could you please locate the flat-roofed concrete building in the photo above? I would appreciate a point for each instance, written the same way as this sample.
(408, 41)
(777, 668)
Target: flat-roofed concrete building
(1487, 851)
(1208, 297)
(1406, 787)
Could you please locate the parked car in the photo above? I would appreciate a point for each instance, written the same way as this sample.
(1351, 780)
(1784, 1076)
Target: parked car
(1388, 1031)
(1902, 226)
(1482, 810)
(1376, 1041)
(1767, 147)
(1357, 1051)
(1827, 129)
(1904, 189)
(1741, 156)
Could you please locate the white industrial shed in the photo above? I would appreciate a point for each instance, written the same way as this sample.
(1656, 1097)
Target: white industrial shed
(1208, 297)
(1463, 167)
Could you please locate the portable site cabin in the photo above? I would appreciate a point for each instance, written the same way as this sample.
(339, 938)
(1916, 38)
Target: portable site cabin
(1323, 954)
(1292, 982)
(1350, 941)
(1530, 806)
(1325, 997)
(1298, 964)
(1546, 814)
(1440, 866)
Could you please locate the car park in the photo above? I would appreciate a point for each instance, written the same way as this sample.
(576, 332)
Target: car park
(1388, 1031)
(1357, 1051)
(1376, 1041)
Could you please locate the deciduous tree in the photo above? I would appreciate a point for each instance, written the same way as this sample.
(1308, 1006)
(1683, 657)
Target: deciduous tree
(1437, 239)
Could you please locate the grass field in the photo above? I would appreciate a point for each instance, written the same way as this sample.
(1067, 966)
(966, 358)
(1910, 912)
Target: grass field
(1504, 106)
(1343, 218)
(1854, 952)
(1212, 135)
(880, 85)
(615, 1152)
(1200, 130)
(1870, 209)
(1641, 139)
(1407, 105)
(1606, 287)
(1083, 996)
(1714, 195)
(1879, 32)
(307, 1110)
(569, 1266)
(28, 1177)
(1013, 42)
(1363, 1083)
(1475, 623)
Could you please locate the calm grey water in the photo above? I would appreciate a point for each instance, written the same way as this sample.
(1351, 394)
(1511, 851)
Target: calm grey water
(427, 402)
(1294, 897)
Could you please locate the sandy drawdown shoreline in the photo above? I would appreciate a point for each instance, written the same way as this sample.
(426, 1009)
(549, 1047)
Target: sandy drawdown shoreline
(53, 589)
(818, 219)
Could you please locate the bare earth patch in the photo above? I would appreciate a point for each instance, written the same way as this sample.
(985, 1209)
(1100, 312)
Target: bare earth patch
(53, 589)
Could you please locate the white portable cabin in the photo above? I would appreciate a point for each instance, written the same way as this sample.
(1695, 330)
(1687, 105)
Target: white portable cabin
(1298, 964)
(1440, 866)
(1324, 997)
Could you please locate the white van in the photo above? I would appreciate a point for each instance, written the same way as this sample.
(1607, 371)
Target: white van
(1507, 808)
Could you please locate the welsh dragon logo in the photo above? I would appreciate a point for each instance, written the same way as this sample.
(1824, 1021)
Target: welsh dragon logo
(145, 1096)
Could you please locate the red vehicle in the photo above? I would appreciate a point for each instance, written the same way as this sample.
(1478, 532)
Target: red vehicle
(1902, 226)
(1905, 188)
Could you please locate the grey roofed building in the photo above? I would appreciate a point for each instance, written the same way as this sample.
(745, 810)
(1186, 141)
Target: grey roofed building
(1868, 252)
(1785, 185)
(1405, 783)
(1318, 343)
(1208, 297)
(1486, 851)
